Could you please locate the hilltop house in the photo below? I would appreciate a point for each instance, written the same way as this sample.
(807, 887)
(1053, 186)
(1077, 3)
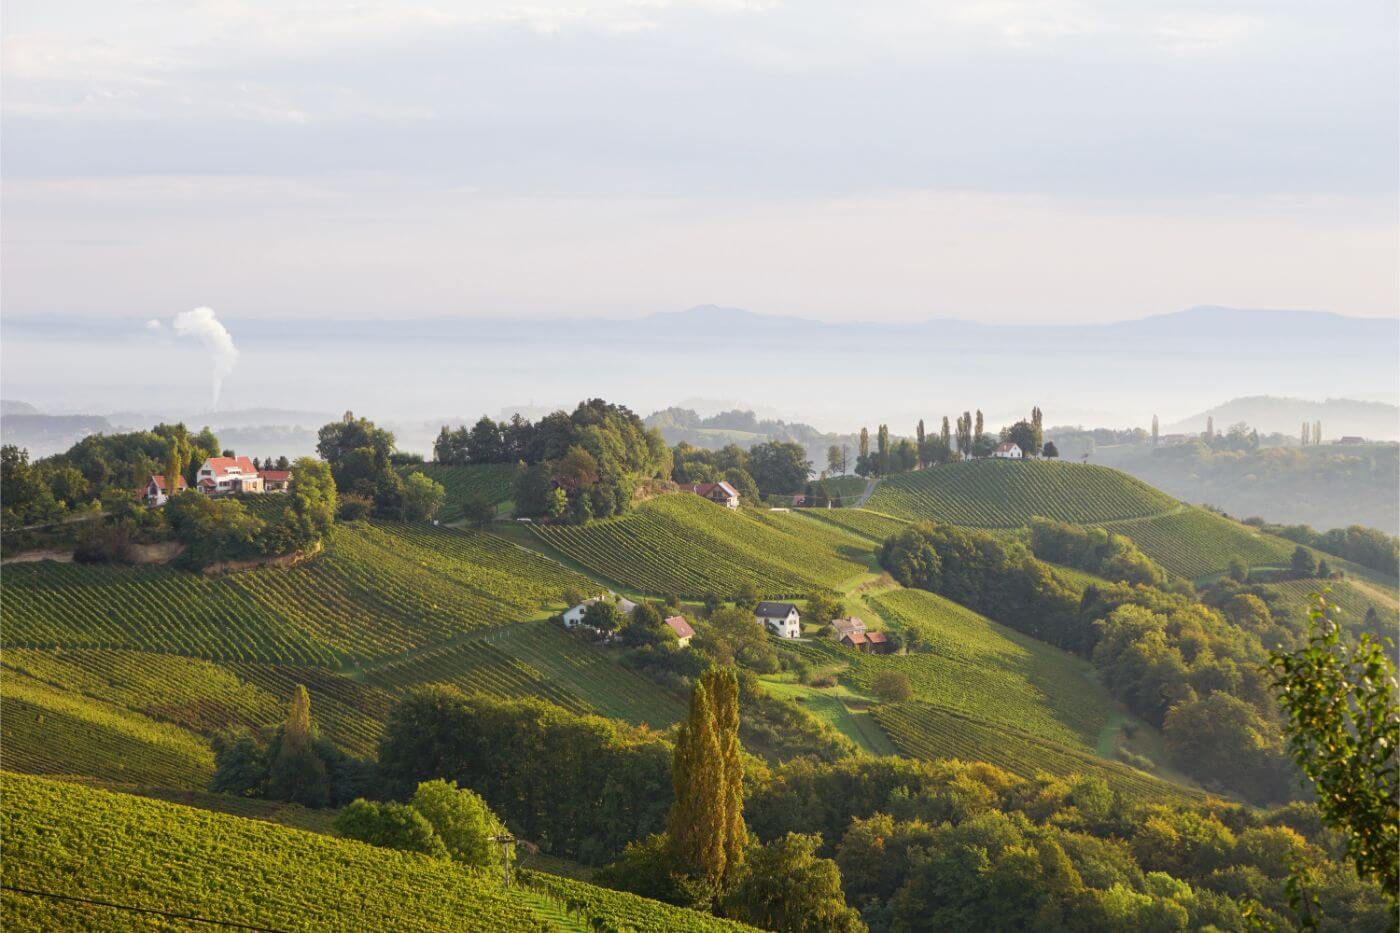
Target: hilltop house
(868, 642)
(1350, 439)
(155, 494)
(782, 619)
(574, 617)
(222, 476)
(840, 628)
(682, 628)
(1008, 451)
(720, 493)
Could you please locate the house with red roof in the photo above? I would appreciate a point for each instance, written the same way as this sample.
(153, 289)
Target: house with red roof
(682, 628)
(276, 480)
(222, 476)
(720, 493)
(1008, 451)
(155, 493)
(868, 642)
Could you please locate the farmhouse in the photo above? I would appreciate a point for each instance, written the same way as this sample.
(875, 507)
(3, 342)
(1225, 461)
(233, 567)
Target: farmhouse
(574, 617)
(682, 628)
(840, 628)
(781, 619)
(155, 493)
(868, 642)
(1008, 451)
(221, 476)
(720, 493)
(276, 480)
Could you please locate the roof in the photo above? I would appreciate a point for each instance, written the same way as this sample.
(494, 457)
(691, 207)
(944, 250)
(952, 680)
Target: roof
(866, 638)
(222, 465)
(680, 626)
(704, 489)
(1007, 446)
(855, 638)
(159, 480)
(876, 638)
(623, 605)
(276, 476)
(769, 610)
(851, 624)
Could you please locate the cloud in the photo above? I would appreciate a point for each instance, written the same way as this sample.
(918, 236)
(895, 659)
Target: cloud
(203, 325)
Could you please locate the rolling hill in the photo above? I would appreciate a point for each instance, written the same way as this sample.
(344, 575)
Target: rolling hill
(78, 858)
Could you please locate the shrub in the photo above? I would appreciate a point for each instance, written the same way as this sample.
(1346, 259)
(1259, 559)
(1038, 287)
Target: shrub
(390, 825)
(892, 686)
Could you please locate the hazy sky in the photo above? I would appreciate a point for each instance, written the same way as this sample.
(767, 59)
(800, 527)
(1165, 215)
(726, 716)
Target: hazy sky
(999, 160)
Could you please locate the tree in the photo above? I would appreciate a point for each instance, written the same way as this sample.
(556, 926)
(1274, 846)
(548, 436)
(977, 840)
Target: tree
(477, 509)
(1303, 564)
(313, 496)
(1210, 427)
(863, 451)
(746, 596)
(892, 686)
(462, 820)
(945, 434)
(1317, 432)
(484, 443)
(390, 825)
(1154, 431)
(1022, 434)
(1050, 451)
(422, 498)
(919, 438)
(834, 460)
(977, 428)
(707, 781)
(298, 774)
(1343, 732)
(732, 636)
(779, 467)
(603, 615)
(743, 483)
(787, 887)
(1239, 570)
(823, 606)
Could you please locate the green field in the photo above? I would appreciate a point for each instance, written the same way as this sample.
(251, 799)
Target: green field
(1193, 543)
(377, 589)
(923, 730)
(1007, 493)
(113, 856)
(683, 544)
(492, 481)
(50, 731)
(873, 526)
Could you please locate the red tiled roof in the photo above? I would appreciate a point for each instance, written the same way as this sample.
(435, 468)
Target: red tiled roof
(159, 480)
(221, 465)
(276, 476)
(856, 638)
(680, 626)
(876, 638)
(1003, 448)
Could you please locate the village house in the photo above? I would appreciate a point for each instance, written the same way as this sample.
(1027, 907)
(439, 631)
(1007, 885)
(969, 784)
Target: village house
(574, 617)
(720, 493)
(682, 628)
(840, 628)
(1008, 451)
(868, 642)
(276, 480)
(222, 476)
(155, 493)
(781, 619)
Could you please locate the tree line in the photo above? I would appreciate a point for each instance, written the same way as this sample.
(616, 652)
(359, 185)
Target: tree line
(964, 439)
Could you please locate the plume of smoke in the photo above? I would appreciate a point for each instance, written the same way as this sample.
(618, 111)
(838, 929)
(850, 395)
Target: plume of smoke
(203, 325)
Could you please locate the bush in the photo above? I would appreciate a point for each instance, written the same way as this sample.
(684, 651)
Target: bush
(892, 686)
(462, 820)
(390, 825)
(354, 508)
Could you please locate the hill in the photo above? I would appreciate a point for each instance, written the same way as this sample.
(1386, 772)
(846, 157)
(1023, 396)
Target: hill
(1325, 486)
(1270, 414)
(1007, 493)
(78, 858)
(686, 545)
(490, 481)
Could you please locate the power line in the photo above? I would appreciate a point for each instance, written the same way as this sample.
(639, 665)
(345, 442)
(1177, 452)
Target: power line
(141, 910)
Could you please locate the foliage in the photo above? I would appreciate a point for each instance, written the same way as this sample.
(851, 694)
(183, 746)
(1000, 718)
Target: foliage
(786, 886)
(779, 467)
(683, 544)
(603, 615)
(1344, 732)
(1094, 550)
(606, 783)
(1195, 543)
(731, 636)
(891, 686)
(1008, 493)
(391, 826)
(705, 828)
(472, 491)
(461, 820)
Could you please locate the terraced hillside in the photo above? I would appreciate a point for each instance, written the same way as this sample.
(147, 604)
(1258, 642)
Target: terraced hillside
(686, 545)
(491, 481)
(922, 730)
(78, 858)
(1193, 543)
(873, 526)
(378, 589)
(1007, 493)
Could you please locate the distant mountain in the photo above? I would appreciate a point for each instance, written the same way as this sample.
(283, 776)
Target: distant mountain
(12, 407)
(1269, 414)
(43, 435)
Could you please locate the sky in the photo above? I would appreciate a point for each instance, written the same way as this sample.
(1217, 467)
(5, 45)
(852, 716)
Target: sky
(1003, 161)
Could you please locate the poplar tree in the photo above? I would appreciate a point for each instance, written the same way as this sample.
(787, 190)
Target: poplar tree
(864, 444)
(1210, 427)
(174, 466)
(882, 442)
(706, 834)
(1317, 433)
(977, 428)
(1154, 430)
(920, 434)
(945, 434)
(298, 774)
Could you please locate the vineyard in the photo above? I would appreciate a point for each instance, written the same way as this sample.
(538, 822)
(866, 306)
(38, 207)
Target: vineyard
(48, 731)
(1007, 493)
(972, 664)
(1195, 543)
(1351, 599)
(491, 481)
(378, 589)
(683, 544)
(922, 730)
(873, 526)
(127, 853)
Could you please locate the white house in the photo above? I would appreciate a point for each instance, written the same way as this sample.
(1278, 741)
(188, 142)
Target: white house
(781, 619)
(156, 494)
(720, 493)
(220, 476)
(574, 617)
(682, 628)
(1008, 451)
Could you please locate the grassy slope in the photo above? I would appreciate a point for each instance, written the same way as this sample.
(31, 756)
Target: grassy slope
(683, 544)
(1007, 493)
(122, 850)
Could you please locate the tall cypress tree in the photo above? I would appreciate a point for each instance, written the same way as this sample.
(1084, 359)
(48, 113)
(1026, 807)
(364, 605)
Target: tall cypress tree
(705, 830)
(1154, 430)
(920, 434)
(298, 774)
(977, 428)
(735, 835)
(945, 434)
